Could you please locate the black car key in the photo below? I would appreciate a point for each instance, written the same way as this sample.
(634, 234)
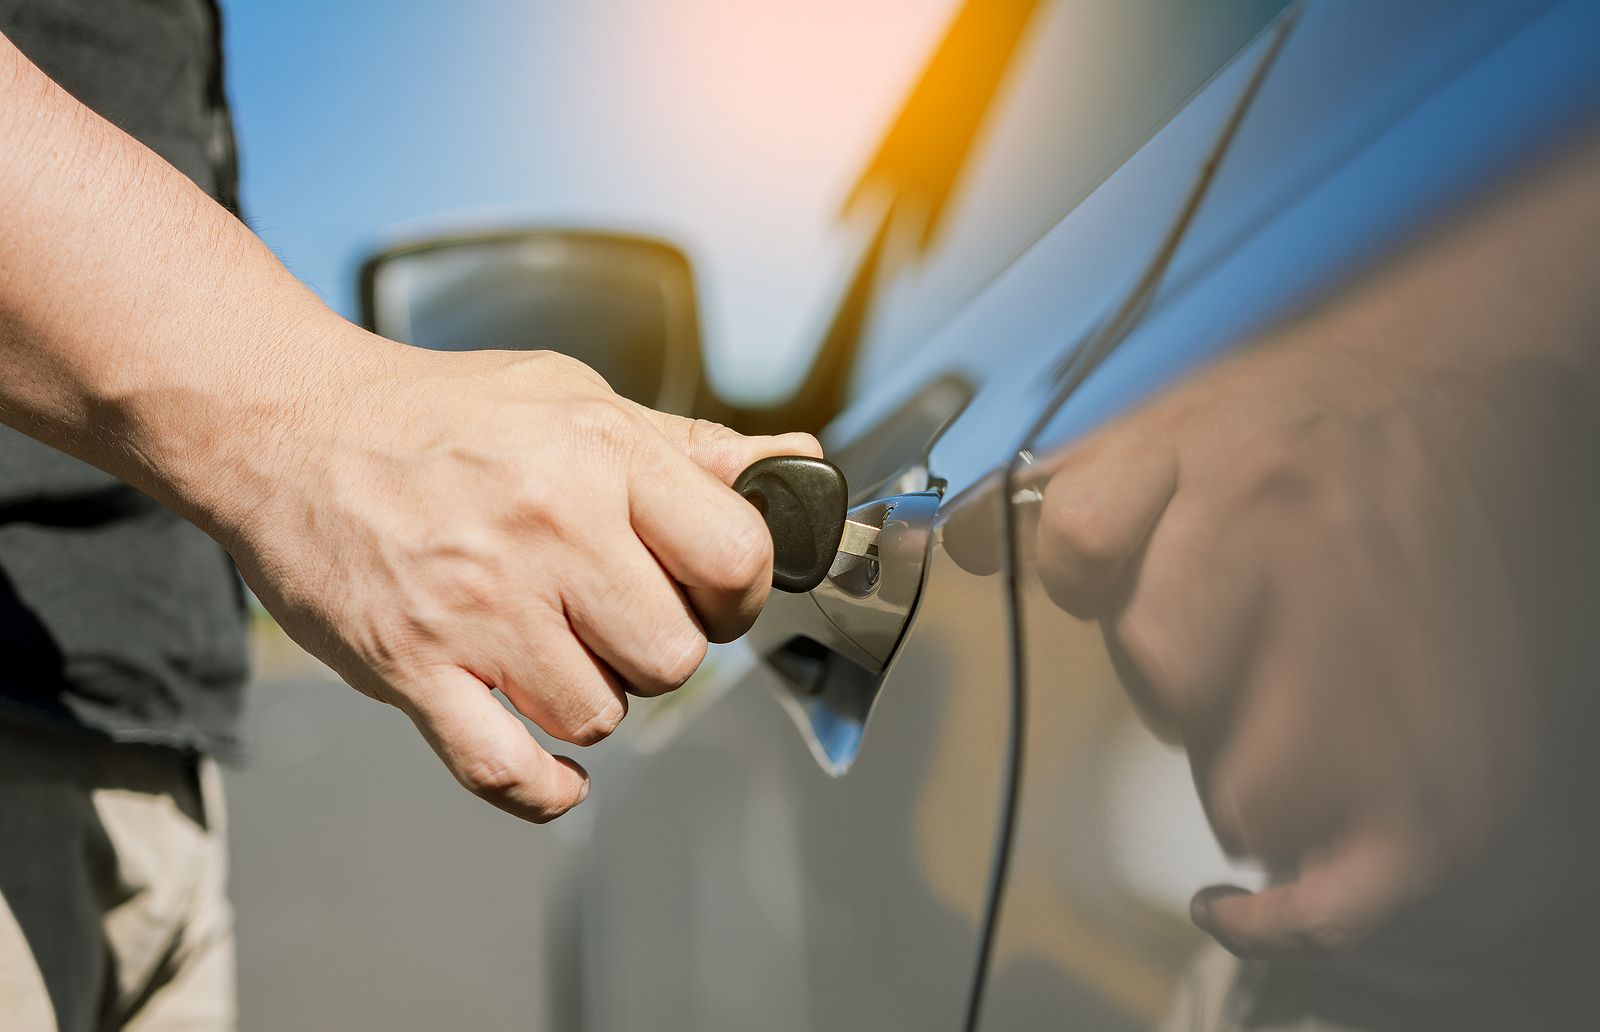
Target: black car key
(803, 502)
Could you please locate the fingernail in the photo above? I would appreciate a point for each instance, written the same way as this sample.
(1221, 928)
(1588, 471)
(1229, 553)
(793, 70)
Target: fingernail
(1200, 911)
(1204, 917)
(576, 768)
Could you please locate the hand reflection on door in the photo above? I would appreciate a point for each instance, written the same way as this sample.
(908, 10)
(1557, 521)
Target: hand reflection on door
(1351, 569)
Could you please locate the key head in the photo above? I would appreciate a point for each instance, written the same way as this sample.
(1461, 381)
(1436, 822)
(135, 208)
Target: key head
(803, 502)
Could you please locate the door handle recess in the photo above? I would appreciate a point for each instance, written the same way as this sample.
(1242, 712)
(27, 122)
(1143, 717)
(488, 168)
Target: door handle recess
(830, 646)
(862, 607)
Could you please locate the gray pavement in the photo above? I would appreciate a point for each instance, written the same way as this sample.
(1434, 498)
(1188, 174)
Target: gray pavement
(371, 891)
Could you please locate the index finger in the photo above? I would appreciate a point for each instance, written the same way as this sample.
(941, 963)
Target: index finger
(722, 452)
(1103, 499)
(709, 540)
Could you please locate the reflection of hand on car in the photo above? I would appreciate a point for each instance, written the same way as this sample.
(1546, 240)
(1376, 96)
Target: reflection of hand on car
(1350, 570)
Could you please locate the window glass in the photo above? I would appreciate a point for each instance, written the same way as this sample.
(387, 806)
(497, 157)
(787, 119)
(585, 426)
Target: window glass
(1087, 83)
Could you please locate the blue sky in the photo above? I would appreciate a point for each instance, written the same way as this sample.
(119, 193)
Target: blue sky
(733, 128)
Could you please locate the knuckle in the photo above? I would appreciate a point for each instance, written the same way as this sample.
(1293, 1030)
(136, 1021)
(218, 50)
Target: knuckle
(599, 424)
(565, 364)
(706, 433)
(467, 586)
(490, 776)
(809, 444)
(1083, 530)
(598, 724)
(1270, 469)
(745, 554)
(711, 444)
(532, 497)
(675, 666)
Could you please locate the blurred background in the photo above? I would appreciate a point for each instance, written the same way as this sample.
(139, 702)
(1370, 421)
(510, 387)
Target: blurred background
(735, 130)
(371, 891)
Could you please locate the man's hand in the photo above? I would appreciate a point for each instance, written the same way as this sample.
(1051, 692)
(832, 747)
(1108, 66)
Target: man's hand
(430, 525)
(1351, 571)
(494, 520)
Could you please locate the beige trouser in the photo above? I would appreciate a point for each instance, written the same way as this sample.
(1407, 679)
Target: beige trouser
(113, 906)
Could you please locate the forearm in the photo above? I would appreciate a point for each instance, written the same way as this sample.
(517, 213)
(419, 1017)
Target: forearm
(142, 327)
(432, 526)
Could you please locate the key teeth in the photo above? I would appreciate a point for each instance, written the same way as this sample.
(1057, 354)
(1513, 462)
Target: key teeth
(859, 539)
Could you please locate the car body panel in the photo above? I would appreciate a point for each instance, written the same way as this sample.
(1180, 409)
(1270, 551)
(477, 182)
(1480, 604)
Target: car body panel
(732, 882)
(736, 884)
(1109, 839)
(1017, 327)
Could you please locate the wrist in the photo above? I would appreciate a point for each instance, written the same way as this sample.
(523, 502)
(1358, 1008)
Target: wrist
(219, 441)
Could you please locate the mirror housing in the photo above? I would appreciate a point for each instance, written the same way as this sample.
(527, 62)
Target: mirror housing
(623, 305)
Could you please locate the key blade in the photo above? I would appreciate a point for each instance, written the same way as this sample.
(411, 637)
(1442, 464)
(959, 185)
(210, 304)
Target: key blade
(859, 539)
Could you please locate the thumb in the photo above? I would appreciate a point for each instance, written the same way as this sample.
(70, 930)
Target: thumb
(1327, 911)
(724, 452)
(489, 751)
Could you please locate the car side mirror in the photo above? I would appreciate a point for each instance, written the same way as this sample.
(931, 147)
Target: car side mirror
(623, 305)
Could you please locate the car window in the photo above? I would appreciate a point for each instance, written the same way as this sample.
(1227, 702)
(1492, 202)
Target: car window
(1083, 86)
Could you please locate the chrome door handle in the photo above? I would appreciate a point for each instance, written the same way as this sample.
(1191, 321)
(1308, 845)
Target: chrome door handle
(861, 608)
(870, 600)
(830, 646)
